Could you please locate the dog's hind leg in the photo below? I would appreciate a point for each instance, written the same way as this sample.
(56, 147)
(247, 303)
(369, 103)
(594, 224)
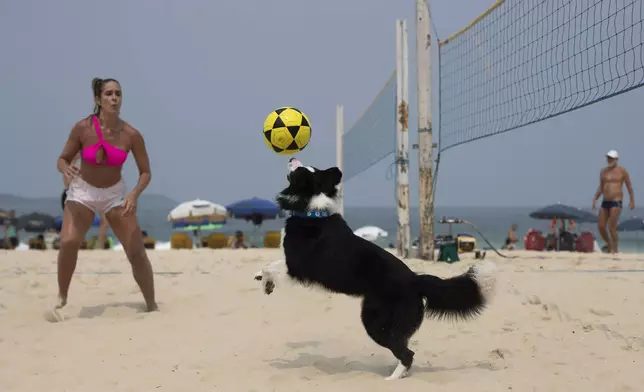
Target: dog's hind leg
(391, 324)
(271, 274)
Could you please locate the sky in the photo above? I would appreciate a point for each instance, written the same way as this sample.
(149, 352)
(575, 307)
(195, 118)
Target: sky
(200, 76)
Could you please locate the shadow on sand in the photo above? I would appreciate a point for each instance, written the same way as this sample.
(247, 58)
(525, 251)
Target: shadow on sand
(341, 365)
(88, 312)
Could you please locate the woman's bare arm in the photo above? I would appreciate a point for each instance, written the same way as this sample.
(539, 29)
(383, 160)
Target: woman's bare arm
(72, 148)
(142, 163)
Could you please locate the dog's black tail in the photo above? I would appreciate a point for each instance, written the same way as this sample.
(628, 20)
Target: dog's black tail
(460, 297)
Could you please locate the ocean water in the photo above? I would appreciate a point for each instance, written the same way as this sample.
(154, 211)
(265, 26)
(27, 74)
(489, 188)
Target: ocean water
(491, 221)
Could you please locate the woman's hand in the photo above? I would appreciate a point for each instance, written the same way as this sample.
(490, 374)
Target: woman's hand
(70, 172)
(129, 207)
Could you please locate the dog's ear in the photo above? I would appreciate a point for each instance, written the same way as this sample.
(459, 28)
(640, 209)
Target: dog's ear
(333, 175)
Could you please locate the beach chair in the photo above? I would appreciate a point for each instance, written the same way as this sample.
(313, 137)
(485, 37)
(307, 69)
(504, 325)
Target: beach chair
(216, 241)
(93, 242)
(37, 243)
(149, 242)
(180, 241)
(272, 239)
(56, 244)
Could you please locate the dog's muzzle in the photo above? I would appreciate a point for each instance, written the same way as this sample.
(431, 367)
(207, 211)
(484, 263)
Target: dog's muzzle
(293, 164)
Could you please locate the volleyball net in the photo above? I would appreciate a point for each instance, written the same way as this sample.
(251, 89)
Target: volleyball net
(524, 61)
(373, 136)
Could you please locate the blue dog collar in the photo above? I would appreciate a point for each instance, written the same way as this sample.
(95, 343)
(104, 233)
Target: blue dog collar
(311, 214)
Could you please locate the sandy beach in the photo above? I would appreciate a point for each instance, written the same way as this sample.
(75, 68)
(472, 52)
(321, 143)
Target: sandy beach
(559, 322)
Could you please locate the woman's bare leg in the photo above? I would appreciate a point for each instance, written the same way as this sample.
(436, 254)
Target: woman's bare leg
(127, 230)
(102, 233)
(76, 221)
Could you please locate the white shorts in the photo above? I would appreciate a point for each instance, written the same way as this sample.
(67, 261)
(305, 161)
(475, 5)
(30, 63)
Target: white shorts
(99, 200)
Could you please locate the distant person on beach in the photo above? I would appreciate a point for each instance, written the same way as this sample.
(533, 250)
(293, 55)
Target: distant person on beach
(238, 241)
(612, 179)
(10, 232)
(96, 187)
(102, 230)
(512, 239)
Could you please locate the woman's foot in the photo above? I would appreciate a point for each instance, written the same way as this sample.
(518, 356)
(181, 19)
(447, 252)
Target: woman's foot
(153, 307)
(62, 301)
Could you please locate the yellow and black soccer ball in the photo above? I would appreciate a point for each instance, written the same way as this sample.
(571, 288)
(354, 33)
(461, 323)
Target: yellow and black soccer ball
(287, 130)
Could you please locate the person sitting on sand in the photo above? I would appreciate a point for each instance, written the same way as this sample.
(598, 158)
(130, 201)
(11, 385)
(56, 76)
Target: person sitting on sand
(238, 241)
(104, 141)
(512, 239)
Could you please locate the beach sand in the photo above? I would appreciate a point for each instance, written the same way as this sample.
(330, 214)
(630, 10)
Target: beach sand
(553, 326)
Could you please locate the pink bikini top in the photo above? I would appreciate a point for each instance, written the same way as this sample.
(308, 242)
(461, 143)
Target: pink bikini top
(113, 156)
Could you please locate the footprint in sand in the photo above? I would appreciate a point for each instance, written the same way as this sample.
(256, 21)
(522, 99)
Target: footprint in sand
(508, 326)
(499, 353)
(587, 327)
(601, 313)
(514, 291)
(534, 300)
(55, 316)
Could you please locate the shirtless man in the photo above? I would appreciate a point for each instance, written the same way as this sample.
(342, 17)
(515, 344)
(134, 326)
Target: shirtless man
(611, 183)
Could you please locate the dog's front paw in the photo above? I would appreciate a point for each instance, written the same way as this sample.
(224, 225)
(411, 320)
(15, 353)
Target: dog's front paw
(258, 275)
(269, 286)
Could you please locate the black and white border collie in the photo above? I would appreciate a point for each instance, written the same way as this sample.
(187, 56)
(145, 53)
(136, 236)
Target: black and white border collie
(321, 250)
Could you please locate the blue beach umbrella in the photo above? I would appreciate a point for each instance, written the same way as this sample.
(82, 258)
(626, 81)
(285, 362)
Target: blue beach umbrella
(254, 209)
(562, 211)
(58, 222)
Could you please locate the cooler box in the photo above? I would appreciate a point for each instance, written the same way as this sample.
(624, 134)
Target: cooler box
(534, 241)
(448, 252)
(585, 242)
(466, 243)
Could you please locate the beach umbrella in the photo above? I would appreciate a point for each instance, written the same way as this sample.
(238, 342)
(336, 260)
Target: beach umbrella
(562, 211)
(4, 216)
(36, 222)
(58, 222)
(370, 233)
(254, 209)
(198, 212)
(205, 226)
(632, 224)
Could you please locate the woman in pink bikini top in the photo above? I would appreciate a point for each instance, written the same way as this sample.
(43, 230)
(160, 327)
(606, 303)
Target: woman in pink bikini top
(103, 140)
(103, 153)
